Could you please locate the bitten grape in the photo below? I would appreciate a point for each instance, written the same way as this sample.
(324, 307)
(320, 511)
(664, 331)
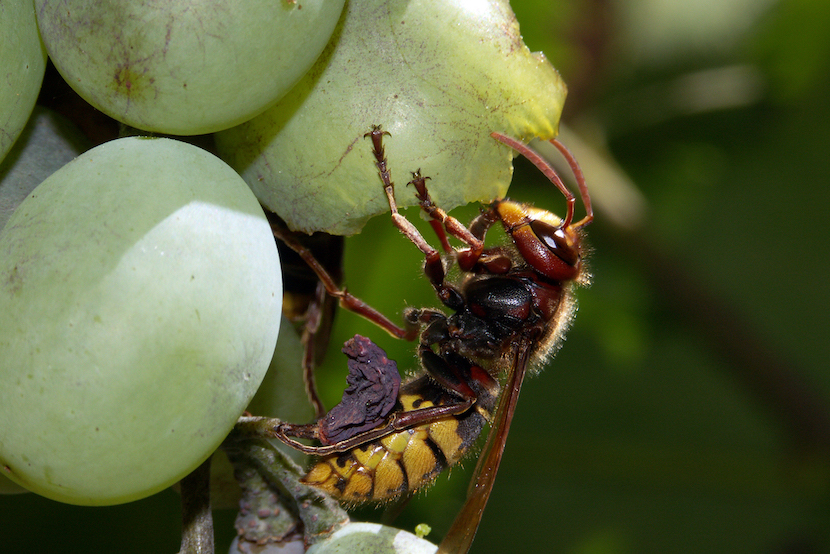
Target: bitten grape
(439, 76)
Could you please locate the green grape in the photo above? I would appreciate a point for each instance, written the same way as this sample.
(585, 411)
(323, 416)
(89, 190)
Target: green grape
(140, 299)
(440, 76)
(372, 537)
(182, 67)
(22, 64)
(46, 143)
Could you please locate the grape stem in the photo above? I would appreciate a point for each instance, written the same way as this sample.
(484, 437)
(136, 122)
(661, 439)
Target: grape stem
(197, 519)
(320, 514)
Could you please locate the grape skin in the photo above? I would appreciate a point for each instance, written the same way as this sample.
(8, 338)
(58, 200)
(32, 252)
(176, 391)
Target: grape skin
(22, 65)
(182, 67)
(140, 302)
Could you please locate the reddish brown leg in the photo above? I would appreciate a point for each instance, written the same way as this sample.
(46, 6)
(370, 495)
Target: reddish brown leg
(398, 421)
(433, 265)
(346, 299)
(305, 301)
(451, 224)
(403, 224)
(472, 236)
(318, 316)
(442, 235)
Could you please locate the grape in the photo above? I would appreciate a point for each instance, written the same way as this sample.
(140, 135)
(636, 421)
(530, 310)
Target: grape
(439, 76)
(353, 537)
(46, 143)
(183, 67)
(372, 537)
(22, 64)
(140, 299)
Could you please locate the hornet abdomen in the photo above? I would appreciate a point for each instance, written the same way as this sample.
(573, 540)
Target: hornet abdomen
(403, 461)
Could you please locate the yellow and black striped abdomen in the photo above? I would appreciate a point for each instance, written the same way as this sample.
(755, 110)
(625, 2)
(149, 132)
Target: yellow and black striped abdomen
(403, 461)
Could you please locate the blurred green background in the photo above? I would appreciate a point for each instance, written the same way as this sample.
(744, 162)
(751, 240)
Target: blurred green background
(689, 409)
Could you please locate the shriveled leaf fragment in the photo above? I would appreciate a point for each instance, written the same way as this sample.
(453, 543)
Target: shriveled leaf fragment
(439, 76)
(372, 393)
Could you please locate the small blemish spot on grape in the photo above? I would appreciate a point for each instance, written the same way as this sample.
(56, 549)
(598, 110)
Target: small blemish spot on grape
(15, 282)
(129, 83)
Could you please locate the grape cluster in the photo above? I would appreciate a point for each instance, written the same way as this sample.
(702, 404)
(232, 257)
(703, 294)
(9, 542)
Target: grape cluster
(140, 287)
